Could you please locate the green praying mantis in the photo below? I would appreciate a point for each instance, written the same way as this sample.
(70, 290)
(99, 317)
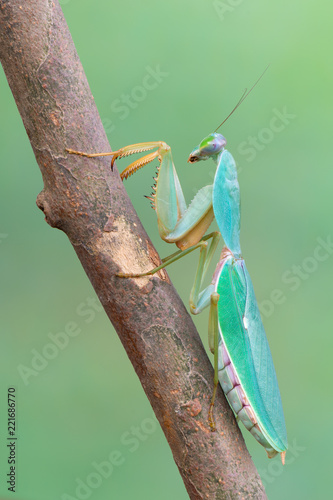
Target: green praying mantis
(242, 360)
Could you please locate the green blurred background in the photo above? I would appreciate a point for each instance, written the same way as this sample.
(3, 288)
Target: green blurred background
(87, 402)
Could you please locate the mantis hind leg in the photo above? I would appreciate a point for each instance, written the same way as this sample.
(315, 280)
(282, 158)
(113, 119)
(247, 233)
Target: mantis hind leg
(199, 301)
(213, 338)
(215, 236)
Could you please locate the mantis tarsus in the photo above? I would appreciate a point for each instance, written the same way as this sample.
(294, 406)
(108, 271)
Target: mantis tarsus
(242, 360)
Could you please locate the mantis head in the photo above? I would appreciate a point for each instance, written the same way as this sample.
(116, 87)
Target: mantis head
(212, 145)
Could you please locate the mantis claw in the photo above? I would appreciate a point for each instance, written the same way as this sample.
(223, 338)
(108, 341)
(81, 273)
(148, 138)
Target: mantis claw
(211, 419)
(94, 155)
(125, 275)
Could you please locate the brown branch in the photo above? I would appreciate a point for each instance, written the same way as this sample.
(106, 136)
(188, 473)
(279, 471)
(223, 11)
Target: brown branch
(83, 198)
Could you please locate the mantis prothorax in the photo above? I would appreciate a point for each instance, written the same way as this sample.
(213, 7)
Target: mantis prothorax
(242, 360)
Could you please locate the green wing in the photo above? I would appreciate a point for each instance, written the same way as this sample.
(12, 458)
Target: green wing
(244, 336)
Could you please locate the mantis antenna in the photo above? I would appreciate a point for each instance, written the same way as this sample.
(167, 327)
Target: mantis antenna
(244, 96)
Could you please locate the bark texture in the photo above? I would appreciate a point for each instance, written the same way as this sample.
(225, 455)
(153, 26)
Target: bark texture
(83, 198)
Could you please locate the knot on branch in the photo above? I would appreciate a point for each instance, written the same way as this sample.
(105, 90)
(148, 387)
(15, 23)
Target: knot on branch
(51, 216)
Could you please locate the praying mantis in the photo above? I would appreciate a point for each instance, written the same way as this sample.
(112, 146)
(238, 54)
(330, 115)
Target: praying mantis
(243, 363)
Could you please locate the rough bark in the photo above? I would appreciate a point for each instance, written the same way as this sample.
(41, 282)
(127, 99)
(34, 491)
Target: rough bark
(83, 198)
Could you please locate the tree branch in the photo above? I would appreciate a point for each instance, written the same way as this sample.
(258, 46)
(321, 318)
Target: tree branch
(83, 198)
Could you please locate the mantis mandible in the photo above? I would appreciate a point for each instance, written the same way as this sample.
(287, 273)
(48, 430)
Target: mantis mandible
(242, 360)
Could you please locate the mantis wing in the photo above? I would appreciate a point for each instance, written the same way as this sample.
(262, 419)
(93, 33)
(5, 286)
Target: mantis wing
(243, 335)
